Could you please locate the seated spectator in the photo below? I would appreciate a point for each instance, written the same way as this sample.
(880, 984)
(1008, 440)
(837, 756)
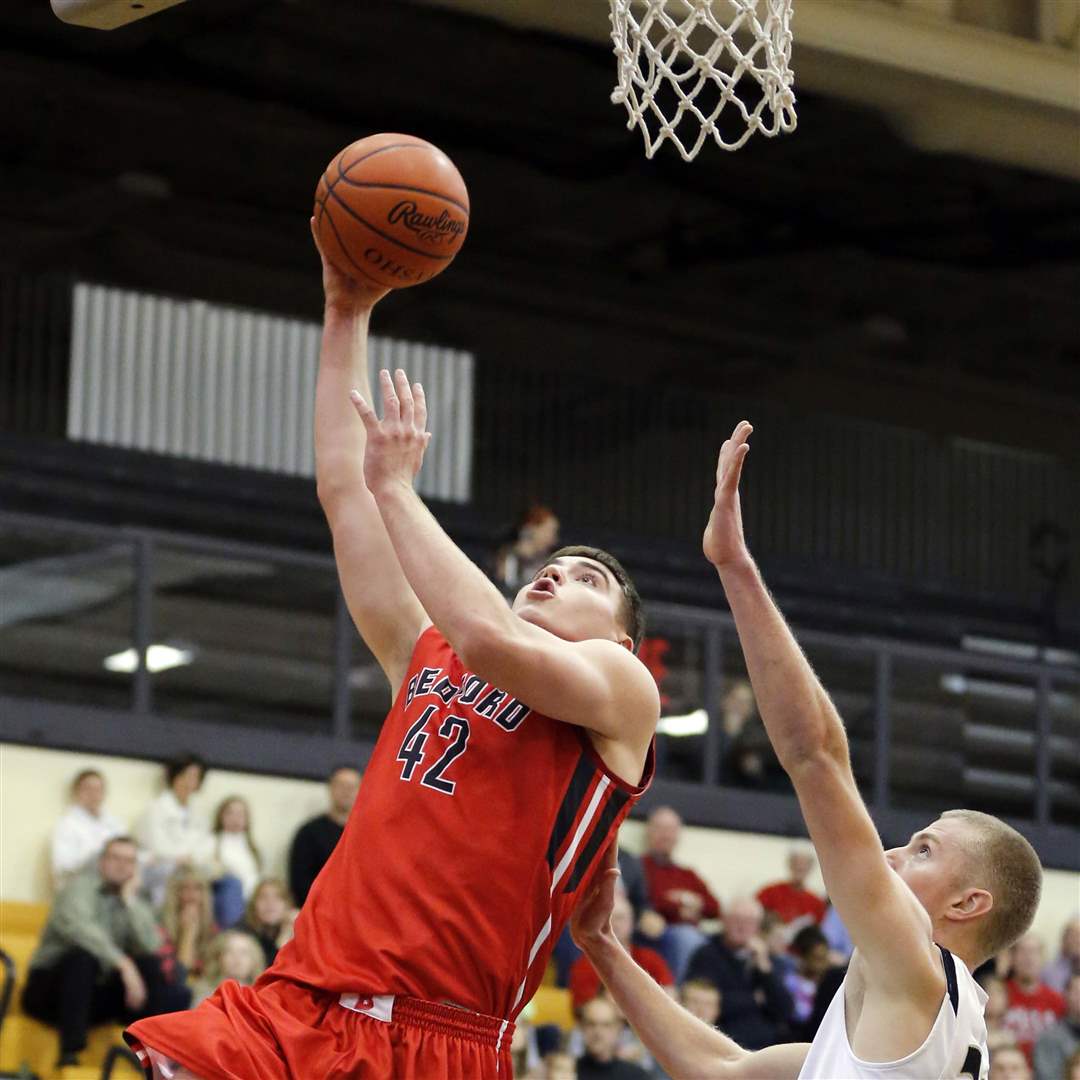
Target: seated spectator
(316, 839)
(1067, 962)
(777, 936)
(997, 1005)
(270, 917)
(584, 982)
(1033, 1006)
(231, 955)
(174, 835)
(96, 960)
(811, 952)
(791, 900)
(559, 1065)
(1009, 1063)
(702, 999)
(632, 877)
(79, 836)
(187, 920)
(602, 1026)
(234, 849)
(676, 892)
(756, 1006)
(747, 758)
(536, 536)
(1060, 1041)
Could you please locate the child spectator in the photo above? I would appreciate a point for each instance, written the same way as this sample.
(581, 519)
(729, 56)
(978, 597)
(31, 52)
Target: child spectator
(96, 960)
(997, 1005)
(777, 937)
(1009, 1063)
(559, 1065)
(80, 835)
(602, 1026)
(791, 900)
(702, 999)
(231, 955)
(1033, 1006)
(234, 849)
(585, 983)
(270, 917)
(1067, 962)
(1059, 1042)
(811, 952)
(316, 839)
(187, 920)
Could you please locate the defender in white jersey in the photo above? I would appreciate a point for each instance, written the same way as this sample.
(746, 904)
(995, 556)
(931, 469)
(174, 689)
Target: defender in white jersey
(922, 916)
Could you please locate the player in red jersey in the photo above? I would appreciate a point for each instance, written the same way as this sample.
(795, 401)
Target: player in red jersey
(518, 740)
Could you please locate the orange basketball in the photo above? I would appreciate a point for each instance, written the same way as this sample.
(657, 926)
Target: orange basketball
(391, 209)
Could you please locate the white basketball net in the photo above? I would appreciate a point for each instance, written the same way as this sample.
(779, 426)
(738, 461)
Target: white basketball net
(680, 67)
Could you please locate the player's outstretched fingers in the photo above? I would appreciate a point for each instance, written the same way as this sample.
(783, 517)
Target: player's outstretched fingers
(391, 405)
(365, 411)
(420, 406)
(405, 398)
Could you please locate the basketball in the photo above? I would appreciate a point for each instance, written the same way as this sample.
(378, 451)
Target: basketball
(391, 209)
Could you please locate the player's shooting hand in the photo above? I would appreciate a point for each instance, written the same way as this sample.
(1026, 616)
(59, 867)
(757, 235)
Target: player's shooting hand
(723, 542)
(343, 293)
(395, 444)
(590, 925)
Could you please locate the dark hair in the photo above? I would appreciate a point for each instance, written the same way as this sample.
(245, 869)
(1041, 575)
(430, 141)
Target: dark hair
(175, 766)
(118, 840)
(341, 768)
(809, 937)
(632, 615)
(83, 775)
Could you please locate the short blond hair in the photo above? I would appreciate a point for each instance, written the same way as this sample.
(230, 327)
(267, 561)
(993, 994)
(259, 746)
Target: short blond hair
(1006, 865)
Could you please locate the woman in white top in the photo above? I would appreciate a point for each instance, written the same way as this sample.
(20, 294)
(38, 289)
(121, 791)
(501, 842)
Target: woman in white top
(80, 834)
(234, 849)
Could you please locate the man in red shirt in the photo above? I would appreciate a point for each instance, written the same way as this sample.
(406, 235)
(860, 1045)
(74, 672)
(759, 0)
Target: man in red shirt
(676, 892)
(585, 984)
(1033, 1006)
(791, 900)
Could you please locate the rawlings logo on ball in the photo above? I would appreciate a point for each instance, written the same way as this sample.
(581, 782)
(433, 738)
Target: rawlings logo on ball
(431, 229)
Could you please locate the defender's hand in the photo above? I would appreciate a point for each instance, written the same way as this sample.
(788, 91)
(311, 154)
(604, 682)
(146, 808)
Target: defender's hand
(723, 541)
(343, 293)
(591, 922)
(395, 444)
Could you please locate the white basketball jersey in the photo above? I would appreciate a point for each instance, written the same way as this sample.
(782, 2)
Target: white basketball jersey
(955, 1049)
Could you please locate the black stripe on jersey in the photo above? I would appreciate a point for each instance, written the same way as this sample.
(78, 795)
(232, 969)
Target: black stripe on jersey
(618, 800)
(949, 964)
(571, 805)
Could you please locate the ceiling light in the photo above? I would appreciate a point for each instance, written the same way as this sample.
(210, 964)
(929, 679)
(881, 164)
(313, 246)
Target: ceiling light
(158, 658)
(694, 723)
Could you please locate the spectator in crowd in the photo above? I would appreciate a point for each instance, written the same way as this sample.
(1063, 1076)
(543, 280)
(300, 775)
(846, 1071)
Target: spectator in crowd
(602, 1026)
(777, 937)
(270, 916)
(997, 1005)
(1072, 1067)
(747, 757)
(187, 920)
(559, 1065)
(1033, 1006)
(234, 849)
(231, 955)
(316, 839)
(755, 1004)
(791, 900)
(701, 998)
(80, 835)
(1009, 1063)
(1060, 1041)
(536, 537)
(1067, 963)
(175, 835)
(632, 877)
(813, 960)
(96, 960)
(585, 984)
(676, 892)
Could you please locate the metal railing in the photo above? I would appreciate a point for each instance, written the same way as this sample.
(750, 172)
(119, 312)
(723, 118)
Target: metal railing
(263, 671)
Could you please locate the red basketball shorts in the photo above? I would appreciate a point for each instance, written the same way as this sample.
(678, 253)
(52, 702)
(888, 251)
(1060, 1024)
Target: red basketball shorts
(280, 1030)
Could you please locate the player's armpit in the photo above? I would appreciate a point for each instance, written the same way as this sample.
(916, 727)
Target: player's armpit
(595, 684)
(888, 925)
(382, 605)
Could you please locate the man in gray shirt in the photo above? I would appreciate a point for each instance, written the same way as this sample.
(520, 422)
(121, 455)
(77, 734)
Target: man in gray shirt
(96, 960)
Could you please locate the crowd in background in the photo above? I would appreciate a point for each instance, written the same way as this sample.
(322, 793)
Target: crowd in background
(155, 918)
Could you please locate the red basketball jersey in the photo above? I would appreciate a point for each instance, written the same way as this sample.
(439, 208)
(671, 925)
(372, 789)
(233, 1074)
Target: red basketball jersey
(478, 825)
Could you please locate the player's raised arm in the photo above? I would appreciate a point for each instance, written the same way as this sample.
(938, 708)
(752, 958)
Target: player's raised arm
(581, 669)
(887, 923)
(383, 606)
